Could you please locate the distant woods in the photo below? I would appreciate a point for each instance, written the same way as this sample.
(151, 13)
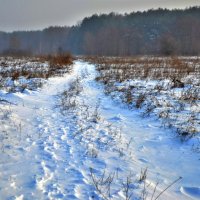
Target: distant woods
(152, 32)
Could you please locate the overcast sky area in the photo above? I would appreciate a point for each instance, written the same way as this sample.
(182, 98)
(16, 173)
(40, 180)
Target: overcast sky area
(39, 14)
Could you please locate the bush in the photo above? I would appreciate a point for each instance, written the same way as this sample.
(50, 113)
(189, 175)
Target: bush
(60, 60)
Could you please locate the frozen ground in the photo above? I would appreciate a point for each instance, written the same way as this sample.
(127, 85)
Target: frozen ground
(52, 151)
(164, 88)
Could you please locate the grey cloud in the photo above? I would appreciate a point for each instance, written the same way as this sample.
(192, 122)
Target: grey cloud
(38, 14)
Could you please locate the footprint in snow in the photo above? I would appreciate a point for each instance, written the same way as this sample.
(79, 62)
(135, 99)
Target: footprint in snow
(116, 118)
(143, 160)
(192, 192)
(106, 108)
(141, 148)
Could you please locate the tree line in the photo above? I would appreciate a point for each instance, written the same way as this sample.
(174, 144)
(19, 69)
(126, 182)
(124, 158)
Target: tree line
(152, 32)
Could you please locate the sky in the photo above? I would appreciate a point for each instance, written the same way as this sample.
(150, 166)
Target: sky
(38, 14)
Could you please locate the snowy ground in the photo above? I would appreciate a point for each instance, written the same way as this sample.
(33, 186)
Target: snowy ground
(164, 88)
(50, 150)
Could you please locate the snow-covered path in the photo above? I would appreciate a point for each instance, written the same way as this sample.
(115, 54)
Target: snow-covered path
(54, 153)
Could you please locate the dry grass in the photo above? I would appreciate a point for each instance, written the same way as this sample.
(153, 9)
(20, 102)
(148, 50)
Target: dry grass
(61, 60)
(146, 67)
(34, 69)
(164, 86)
(14, 68)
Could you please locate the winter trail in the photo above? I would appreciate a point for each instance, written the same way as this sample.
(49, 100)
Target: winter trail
(58, 150)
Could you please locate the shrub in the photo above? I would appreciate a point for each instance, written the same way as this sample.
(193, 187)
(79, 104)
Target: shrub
(58, 61)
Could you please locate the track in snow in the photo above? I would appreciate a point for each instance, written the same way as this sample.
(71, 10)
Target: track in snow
(50, 163)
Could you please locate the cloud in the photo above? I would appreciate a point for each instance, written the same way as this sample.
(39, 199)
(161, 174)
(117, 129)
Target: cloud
(38, 14)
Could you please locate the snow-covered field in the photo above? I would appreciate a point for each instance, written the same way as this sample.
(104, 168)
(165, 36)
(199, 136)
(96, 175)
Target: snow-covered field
(165, 88)
(68, 140)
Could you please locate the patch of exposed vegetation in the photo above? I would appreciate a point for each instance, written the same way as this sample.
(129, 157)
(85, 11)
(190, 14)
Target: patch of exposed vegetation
(165, 87)
(22, 73)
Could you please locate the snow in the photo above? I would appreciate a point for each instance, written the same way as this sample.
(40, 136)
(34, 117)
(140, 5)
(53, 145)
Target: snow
(192, 192)
(48, 154)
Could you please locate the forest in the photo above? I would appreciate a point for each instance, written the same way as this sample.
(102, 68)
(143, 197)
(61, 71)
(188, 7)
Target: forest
(152, 32)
